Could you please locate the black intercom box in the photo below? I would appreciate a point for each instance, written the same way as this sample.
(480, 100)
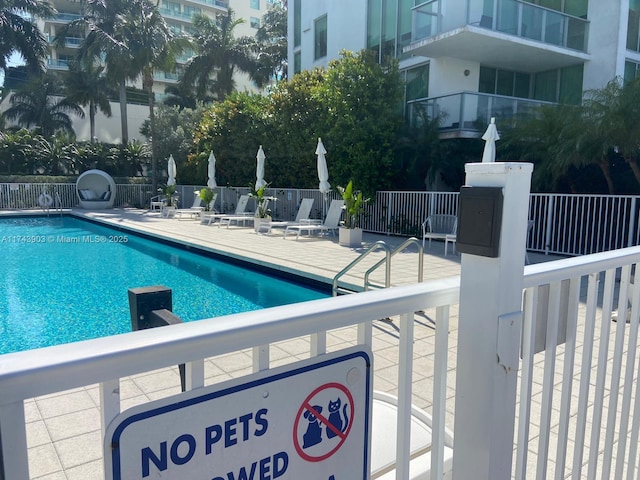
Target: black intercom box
(479, 221)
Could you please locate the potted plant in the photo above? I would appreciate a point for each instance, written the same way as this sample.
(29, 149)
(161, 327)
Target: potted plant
(206, 195)
(168, 191)
(350, 233)
(263, 212)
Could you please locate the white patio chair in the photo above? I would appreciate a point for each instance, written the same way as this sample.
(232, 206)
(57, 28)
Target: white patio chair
(331, 222)
(194, 210)
(441, 227)
(240, 210)
(243, 218)
(303, 215)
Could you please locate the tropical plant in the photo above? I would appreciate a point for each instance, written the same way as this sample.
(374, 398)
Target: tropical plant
(174, 131)
(106, 42)
(270, 46)
(354, 203)
(218, 54)
(40, 104)
(168, 191)
(87, 86)
(19, 33)
(262, 200)
(206, 195)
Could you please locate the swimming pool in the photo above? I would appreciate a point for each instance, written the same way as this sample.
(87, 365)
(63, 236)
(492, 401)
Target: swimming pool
(66, 280)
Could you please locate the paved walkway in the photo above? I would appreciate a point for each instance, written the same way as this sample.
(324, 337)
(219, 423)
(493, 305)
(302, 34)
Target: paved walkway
(63, 430)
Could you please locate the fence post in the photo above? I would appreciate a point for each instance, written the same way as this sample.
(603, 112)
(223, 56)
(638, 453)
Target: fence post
(549, 225)
(632, 223)
(490, 321)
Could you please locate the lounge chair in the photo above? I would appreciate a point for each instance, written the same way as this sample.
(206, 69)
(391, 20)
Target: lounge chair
(243, 218)
(194, 210)
(302, 216)
(240, 210)
(384, 437)
(331, 222)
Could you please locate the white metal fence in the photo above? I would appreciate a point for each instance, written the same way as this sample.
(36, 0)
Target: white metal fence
(579, 409)
(563, 224)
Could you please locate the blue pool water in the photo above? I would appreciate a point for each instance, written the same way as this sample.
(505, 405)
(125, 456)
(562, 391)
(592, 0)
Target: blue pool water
(65, 280)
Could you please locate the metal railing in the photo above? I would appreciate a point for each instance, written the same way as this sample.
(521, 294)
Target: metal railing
(25, 375)
(564, 224)
(568, 326)
(471, 111)
(513, 17)
(577, 415)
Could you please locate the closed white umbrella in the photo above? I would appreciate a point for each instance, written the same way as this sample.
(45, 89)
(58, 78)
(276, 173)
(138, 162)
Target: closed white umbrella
(260, 169)
(171, 171)
(211, 171)
(323, 171)
(490, 137)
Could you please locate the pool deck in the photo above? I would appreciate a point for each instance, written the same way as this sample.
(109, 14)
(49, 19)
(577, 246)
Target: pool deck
(63, 429)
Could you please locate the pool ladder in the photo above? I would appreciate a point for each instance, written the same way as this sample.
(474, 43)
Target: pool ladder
(344, 288)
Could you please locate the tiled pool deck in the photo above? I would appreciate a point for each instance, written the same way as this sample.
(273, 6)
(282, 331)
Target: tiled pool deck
(63, 430)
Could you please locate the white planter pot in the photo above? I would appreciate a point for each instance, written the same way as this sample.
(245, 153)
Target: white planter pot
(261, 224)
(350, 237)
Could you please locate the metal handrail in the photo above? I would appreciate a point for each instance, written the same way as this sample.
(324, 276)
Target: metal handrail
(405, 244)
(377, 245)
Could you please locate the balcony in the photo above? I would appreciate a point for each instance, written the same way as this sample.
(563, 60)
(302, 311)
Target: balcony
(211, 3)
(516, 35)
(65, 18)
(69, 42)
(56, 64)
(185, 17)
(467, 114)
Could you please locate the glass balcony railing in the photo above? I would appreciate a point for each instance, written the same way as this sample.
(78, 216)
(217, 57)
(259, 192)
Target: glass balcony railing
(166, 12)
(66, 17)
(471, 111)
(213, 3)
(57, 64)
(513, 17)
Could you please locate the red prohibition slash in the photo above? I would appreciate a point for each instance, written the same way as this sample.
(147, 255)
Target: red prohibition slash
(306, 405)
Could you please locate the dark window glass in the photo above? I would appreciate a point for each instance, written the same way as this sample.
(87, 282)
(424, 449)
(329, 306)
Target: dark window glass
(571, 85)
(487, 83)
(504, 85)
(417, 85)
(320, 29)
(297, 23)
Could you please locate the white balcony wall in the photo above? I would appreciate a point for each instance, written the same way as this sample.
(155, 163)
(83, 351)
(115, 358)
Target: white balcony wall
(454, 14)
(346, 29)
(447, 75)
(607, 42)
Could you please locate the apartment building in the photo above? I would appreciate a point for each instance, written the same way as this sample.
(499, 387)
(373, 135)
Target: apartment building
(178, 14)
(465, 61)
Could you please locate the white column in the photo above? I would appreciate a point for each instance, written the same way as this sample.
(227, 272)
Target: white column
(489, 333)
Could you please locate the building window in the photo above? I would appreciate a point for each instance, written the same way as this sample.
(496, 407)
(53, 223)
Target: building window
(297, 23)
(504, 82)
(320, 31)
(297, 63)
(417, 83)
(631, 70)
(255, 4)
(255, 22)
(633, 26)
(563, 85)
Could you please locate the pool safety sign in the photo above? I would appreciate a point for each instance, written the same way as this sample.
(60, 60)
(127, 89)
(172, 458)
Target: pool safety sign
(306, 420)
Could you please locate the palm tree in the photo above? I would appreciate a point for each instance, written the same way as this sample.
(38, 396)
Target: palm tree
(105, 42)
(41, 105)
(18, 32)
(151, 46)
(270, 46)
(220, 53)
(87, 86)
